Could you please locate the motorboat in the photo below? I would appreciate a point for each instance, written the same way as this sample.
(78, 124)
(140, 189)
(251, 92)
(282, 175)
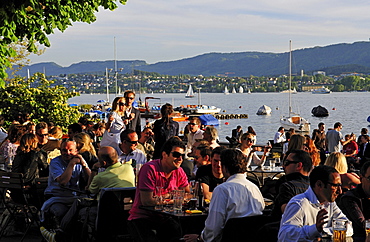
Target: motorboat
(294, 91)
(204, 109)
(320, 111)
(190, 92)
(321, 90)
(264, 110)
(293, 120)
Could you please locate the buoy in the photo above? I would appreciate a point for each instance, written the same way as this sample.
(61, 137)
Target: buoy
(226, 123)
(224, 111)
(334, 109)
(240, 106)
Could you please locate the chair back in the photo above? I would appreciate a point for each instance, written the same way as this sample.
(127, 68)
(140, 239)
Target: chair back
(244, 228)
(114, 205)
(11, 180)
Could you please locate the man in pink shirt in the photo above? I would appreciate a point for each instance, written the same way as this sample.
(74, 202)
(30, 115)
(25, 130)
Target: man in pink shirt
(166, 173)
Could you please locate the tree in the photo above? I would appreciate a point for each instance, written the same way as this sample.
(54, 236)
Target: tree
(33, 20)
(37, 97)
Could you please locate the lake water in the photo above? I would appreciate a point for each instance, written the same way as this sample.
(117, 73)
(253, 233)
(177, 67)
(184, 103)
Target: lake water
(350, 109)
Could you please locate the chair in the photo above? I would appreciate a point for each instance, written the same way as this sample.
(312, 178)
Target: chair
(244, 228)
(113, 207)
(18, 204)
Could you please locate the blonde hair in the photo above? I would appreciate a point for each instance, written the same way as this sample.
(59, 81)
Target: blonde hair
(115, 105)
(28, 142)
(84, 143)
(338, 161)
(56, 132)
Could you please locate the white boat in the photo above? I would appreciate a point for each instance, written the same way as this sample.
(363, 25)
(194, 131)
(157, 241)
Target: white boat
(321, 90)
(294, 91)
(264, 110)
(249, 91)
(190, 92)
(226, 91)
(233, 91)
(204, 109)
(293, 120)
(241, 89)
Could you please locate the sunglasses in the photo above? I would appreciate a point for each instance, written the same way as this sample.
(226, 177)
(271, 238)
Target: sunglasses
(178, 154)
(192, 124)
(134, 142)
(43, 135)
(250, 140)
(131, 98)
(288, 162)
(336, 185)
(121, 104)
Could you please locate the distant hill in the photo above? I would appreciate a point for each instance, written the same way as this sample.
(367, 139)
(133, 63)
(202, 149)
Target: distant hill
(334, 59)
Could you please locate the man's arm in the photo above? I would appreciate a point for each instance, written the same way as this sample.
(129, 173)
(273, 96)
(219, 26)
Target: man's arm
(206, 193)
(147, 198)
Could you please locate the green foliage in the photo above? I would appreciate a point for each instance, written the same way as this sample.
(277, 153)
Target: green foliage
(34, 20)
(36, 97)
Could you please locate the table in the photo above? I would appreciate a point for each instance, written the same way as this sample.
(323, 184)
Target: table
(190, 223)
(261, 172)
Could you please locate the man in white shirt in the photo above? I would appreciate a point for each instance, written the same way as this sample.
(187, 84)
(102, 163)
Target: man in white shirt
(194, 132)
(308, 216)
(128, 150)
(235, 198)
(279, 136)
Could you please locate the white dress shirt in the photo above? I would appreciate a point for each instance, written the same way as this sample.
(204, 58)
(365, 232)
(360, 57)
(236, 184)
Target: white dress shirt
(298, 222)
(279, 137)
(235, 198)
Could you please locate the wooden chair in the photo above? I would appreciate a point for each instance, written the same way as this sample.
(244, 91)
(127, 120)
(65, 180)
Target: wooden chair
(18, 204)
(244, 228)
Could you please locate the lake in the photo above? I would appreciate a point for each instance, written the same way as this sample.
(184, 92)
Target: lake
(349, 109)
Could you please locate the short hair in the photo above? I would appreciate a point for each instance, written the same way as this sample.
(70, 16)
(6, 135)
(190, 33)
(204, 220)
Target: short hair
(302, 156)
(204, 150)
(364, 168)
(364, 130)
(56, 132)
(321, 173)
(124, 134)
(75, 127)
(83, 120)
(212, 131)
(338, 161)
(172, 142)
(280, 128)
(337, 124)
(217, 151)
(238, 127)
(109, 157)
(126, 93)
(366, 137)
(234, 161)
(195, 120)
(320, 124)
(41, 125)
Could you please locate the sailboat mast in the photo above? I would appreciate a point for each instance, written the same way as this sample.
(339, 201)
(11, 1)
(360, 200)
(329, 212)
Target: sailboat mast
(115, 65)
(290, 77)
(107, 80)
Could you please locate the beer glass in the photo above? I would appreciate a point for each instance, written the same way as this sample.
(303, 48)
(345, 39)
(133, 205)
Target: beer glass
(158, 198)
(178, 200)
(339, 230)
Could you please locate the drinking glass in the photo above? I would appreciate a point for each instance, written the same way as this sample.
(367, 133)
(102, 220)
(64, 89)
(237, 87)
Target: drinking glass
(339, 230)
(272, 164)
(178, 199)
(158, 198)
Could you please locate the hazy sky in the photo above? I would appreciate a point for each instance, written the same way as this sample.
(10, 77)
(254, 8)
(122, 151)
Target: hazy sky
(165, 30)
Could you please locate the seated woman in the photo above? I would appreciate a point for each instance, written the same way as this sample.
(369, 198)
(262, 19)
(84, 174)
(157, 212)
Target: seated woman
(86, 148)
(339, 162)
(249, 151)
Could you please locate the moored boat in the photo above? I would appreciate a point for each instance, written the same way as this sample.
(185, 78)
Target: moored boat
(321, 90)
(190, 92)
(264, 110)
(241, 89)
(320, 111)
(226, 91)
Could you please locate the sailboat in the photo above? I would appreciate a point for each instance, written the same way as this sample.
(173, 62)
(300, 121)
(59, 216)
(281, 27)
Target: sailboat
(241, 89)
(249, 91)
(226, 91)
(233, 91)
(190, 92)
(293, 120)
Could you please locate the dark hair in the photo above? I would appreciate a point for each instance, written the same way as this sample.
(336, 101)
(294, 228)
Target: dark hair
(41, 125)
(16, 132)
(365, 137)
(195, 120)
(174, 141)
(320, 124)
(321, 173)
(364, 130)
(251, 130)
(280, 128)
(234, 161)
(302, 156)
(337, 124)
(75, 127)
(364, 168)
(127, 93)
(217, 150)
(124, 134)
(166, 111)
(204, 150)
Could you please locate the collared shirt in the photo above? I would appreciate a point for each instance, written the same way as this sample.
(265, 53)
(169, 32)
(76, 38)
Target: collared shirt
(56, 169)
(136, 156)
(299, 219)
(235, 198)
(333, 138)
(279, 137)
(116, 175)
(151, 175)
(192, 137)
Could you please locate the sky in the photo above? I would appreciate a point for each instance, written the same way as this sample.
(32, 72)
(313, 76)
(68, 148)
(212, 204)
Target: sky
(167, 30)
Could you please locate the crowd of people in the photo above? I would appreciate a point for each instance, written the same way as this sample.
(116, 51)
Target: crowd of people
(327, 175)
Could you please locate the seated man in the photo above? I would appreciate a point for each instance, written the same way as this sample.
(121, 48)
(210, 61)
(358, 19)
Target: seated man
(235, 198)
(128, 150)
(65, 172)
(297, 166)
(309, 214)
(355, 204)
(166, 173)
(211, 175)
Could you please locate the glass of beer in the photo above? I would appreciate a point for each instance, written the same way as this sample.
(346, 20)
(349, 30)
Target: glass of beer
(339, 230)
(367, 228)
